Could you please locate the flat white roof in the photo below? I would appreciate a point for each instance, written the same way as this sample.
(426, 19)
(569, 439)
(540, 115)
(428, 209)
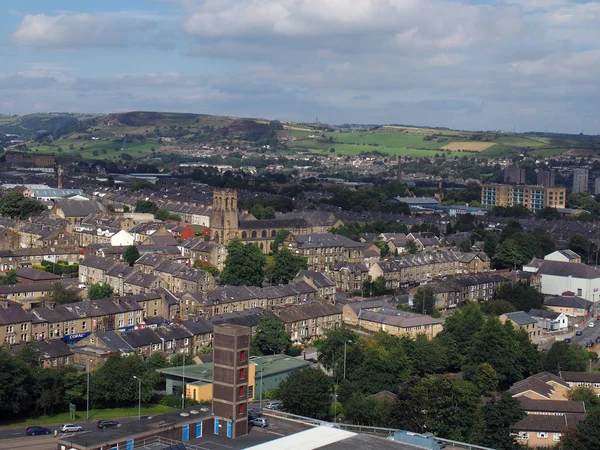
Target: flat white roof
(306, 440)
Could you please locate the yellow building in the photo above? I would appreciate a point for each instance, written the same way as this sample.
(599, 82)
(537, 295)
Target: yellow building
(533, 198)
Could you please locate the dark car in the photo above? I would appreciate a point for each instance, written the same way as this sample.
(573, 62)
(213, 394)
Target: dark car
(597, 338)
(33, 431)
(589, 344)
(107, 423)
(579, 333)
(567, 340)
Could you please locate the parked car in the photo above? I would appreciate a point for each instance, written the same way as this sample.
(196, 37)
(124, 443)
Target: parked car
(273, 405)
(579, 333)
(260, 422)
(589, 344)
(568, 340)
(592, 324)
(107, 423)
(35, 430)
(597, 338)
(70, 428)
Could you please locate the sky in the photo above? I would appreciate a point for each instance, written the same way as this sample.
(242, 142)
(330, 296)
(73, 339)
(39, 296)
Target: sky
(527, 65)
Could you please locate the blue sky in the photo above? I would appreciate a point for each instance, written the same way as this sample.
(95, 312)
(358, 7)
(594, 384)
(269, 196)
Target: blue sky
(527, 64)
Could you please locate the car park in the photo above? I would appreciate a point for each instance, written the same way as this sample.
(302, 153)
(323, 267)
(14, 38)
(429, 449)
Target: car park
(70, 428)
(107, 423)
(260, 422)
(273, 405)
(35, 430)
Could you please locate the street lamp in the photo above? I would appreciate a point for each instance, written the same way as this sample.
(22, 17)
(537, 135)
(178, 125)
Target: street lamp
(139, 397)
(87, 409)
(261, 383)
(345, 342)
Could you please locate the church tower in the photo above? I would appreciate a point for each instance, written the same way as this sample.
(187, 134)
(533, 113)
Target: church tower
(224, 217)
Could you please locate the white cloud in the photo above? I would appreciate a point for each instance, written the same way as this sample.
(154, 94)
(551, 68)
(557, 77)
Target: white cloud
(75, 31)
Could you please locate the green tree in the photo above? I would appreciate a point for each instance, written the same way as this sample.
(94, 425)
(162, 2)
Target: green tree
(9, 278)
(424, 301)
(548, 213)
(16, 378)
(331, 350)
(368, 410)
(99, 290)
(586, 395)
(131, 254)
(499, 307)
(262, 213)
(285, 267)
(565, 357)
(586, 435)
(375, 288)
(61, 294)
(17, 206)
(584, 248)
(411, 247)
(384, 249)
(244, 265)
(145, 206)
(498, 417)
(307, 392)
(496, 345)
(465, 245)
(279, 238)
(177, 359)
(270, 338)
(461, 327)
(522, 296)
(486, 379)
(162, 214)
(428, 356)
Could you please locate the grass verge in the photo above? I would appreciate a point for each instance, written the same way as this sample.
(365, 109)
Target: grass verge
(95, 414)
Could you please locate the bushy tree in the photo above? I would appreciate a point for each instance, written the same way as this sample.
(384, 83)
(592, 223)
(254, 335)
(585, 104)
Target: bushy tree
(307, 392)
(99, 290)
(61, 294)
(498, 417)
(145, 206)
(270, 338)
(279, 238)
(244, 265)
(131, 254)
(17, 206)
(285, 267)
(566, 357)
(9, 278)
(424, 301)
(521, 295)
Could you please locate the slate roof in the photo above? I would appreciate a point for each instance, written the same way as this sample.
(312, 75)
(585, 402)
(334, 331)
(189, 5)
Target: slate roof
(580, 377)
(247, 318)
(369, 304)
(401, 319)
(114, 342)
(78, 208)
(319, 240)
(164, 241)
(520, 318)
(172, 332)
(543, 314)
(565, 301)
(11, 312)
(140, 338)
(352, 267)
(273, 224)
(28, 287)
(145, 280)
(556, 406)
(539, 383)
(319, 279)
(306, 311)
(97, 262)
(548, 423)
(566, 269)
(198, 327)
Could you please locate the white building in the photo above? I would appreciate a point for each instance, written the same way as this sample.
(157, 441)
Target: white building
(557, 277)
(563, 256)
(122, 239)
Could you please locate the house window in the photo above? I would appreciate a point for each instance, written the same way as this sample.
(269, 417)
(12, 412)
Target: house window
(556, 437)
(241, 408)
(241, 391)
(243, 356)
(23, 327)
(242, 374)
(579, 292)
(542, 435)
(250, 391)
(83, 325)
(121, 323)
(186, 341)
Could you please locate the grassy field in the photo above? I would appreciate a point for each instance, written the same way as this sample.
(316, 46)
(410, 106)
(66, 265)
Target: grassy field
(105, 149)
(412, 142)
(95, 414)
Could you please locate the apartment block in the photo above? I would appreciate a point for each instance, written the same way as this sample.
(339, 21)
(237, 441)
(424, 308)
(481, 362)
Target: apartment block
(533, 198)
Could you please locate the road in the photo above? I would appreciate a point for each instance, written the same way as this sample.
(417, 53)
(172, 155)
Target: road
(12, 433)
(588, 334)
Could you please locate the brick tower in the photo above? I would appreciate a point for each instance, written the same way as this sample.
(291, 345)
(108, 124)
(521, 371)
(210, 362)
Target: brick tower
(224, 218)
(231, 347)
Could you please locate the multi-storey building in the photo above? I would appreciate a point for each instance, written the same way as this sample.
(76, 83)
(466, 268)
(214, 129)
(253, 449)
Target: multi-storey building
(580, 180)
(531, 197)
(325, 251)
(15, 323)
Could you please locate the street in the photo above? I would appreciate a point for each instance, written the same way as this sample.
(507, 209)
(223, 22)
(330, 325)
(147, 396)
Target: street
(588, 334)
